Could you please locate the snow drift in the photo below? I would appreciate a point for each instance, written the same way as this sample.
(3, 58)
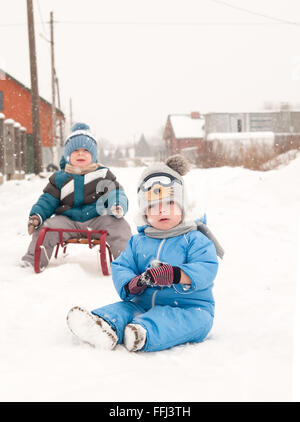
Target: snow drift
(248, 354)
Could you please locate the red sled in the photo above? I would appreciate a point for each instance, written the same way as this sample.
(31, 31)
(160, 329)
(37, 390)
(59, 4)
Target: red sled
(100, 240)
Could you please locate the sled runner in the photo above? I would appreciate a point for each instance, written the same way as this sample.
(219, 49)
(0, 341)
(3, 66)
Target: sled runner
(104, 249)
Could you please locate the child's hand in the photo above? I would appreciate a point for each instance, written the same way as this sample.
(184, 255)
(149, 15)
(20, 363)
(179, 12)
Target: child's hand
(163, 275)
(117, 211)
(135, 286)
(33, 223)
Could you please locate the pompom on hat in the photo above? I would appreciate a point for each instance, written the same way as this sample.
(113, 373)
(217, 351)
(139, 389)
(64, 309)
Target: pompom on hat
(163, 182)
(81, 137)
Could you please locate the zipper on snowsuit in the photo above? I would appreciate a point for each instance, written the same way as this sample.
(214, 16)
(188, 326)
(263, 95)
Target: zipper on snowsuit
(157, 258)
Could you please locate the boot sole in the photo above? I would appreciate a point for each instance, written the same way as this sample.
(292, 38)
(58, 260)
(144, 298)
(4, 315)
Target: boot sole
(91, 329)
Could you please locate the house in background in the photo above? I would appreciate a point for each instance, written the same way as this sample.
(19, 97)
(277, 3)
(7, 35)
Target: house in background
(183, 134)
(15, 103)
(276, 130)
(194, 134)
(281, 121)
(142, 148)
(143, 151)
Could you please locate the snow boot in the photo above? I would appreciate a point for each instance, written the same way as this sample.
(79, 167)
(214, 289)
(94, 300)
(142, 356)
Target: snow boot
(28, 264)
(91, 329)
(25, 264)
(134, 337)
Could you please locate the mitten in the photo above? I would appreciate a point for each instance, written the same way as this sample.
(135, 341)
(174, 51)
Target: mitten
(33, 223)
(134, 286)
(163, 275)
(117, 211)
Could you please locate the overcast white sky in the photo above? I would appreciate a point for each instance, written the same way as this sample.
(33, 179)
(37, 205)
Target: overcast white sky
(127, 64)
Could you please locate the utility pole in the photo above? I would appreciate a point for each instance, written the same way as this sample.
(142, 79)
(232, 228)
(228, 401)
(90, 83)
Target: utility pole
(54, 143)
(35, 99)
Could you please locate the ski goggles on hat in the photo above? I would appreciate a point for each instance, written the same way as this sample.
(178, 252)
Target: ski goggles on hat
(163, 179)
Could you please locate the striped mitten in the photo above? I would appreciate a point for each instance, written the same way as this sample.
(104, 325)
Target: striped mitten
(164, 275)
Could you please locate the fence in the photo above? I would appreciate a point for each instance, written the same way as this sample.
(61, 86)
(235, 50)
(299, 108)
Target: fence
(12, 150)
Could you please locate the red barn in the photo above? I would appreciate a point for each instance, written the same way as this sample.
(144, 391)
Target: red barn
(15, 103)
(184, 133)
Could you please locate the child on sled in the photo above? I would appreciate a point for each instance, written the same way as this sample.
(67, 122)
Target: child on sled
(83, 195)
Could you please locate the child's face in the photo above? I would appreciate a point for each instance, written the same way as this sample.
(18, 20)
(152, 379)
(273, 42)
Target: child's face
(80, 158)
(164, 215)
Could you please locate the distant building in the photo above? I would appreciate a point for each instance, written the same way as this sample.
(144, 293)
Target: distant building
(184, 133)
(188, 134)
(266, 131)
(15, 103)
(282, 121)
(142, 148)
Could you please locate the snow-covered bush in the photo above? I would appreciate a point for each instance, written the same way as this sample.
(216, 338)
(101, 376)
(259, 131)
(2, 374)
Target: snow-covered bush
(248, 150)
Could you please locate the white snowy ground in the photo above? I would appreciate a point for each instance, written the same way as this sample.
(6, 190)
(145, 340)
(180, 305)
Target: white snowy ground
(247, 356)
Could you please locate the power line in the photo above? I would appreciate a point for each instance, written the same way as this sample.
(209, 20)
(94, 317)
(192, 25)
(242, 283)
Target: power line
(251, 12)
(276, 21)
(13, 24)
(41, 17)
(179, 23)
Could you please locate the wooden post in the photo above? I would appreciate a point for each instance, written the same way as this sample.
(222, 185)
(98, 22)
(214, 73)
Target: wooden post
(9, 145)
(23, 149)
(35, 99)
(17, 149)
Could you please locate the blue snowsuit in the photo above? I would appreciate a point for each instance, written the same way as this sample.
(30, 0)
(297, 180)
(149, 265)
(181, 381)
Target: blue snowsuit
(171, 315)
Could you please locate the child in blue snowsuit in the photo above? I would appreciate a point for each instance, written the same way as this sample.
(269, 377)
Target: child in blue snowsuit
(164, 276)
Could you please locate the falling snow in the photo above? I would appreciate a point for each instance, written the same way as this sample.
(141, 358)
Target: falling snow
(254, 216)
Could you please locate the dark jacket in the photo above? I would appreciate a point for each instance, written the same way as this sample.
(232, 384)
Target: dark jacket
(80, 197)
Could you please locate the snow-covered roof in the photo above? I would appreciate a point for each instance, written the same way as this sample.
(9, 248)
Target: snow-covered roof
(186, 127)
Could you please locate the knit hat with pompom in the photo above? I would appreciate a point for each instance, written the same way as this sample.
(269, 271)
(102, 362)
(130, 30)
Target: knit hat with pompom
(163, 182)
(81, 137)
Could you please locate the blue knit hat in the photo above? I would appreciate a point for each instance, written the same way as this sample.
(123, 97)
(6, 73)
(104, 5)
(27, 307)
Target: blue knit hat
(81, 137)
